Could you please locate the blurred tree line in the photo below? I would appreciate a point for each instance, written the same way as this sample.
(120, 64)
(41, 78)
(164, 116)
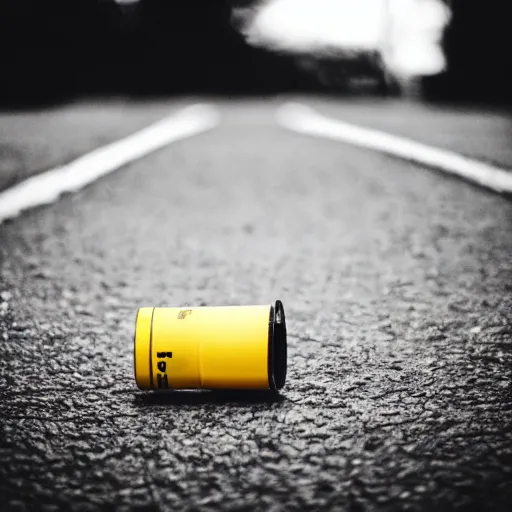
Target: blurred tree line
(53, 49)
(477, 45)
(59, 48)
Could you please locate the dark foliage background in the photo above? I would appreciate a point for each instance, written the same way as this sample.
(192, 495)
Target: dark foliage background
(58, 48)
(477, 45)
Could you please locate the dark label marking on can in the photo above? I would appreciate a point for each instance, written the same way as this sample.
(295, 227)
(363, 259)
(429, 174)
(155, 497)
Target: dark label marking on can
(161, 378)
(184, 313)
(162, 382)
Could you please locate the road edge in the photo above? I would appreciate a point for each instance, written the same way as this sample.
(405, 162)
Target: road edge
(48, 187)
(305, 120)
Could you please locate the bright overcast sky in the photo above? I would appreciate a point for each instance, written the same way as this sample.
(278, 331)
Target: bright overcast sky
(309, 23)
(408, 31)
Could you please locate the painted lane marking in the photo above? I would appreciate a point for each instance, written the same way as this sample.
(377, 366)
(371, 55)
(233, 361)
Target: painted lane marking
(47, 187)
(303, 119)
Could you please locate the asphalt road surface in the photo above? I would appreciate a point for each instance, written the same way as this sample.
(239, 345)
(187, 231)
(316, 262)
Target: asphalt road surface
(396, 281)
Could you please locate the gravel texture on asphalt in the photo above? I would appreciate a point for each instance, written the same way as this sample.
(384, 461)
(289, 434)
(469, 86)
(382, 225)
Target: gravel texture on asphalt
(396, 283)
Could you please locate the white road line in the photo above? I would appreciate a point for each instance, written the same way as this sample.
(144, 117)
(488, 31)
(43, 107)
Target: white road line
(305, 120)
(47, 187)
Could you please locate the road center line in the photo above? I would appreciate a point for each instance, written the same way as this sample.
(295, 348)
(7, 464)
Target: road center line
(47, 187)
(303, 119)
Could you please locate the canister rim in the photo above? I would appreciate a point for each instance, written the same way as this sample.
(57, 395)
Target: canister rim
(277, 350)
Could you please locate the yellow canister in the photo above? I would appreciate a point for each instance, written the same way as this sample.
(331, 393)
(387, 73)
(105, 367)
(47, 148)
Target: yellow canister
(235, 347)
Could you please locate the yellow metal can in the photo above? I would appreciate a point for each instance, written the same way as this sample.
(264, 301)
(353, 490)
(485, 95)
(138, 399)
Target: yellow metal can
(235, 347)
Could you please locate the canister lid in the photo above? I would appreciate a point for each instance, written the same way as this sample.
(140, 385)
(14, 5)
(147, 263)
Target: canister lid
(278, 349)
